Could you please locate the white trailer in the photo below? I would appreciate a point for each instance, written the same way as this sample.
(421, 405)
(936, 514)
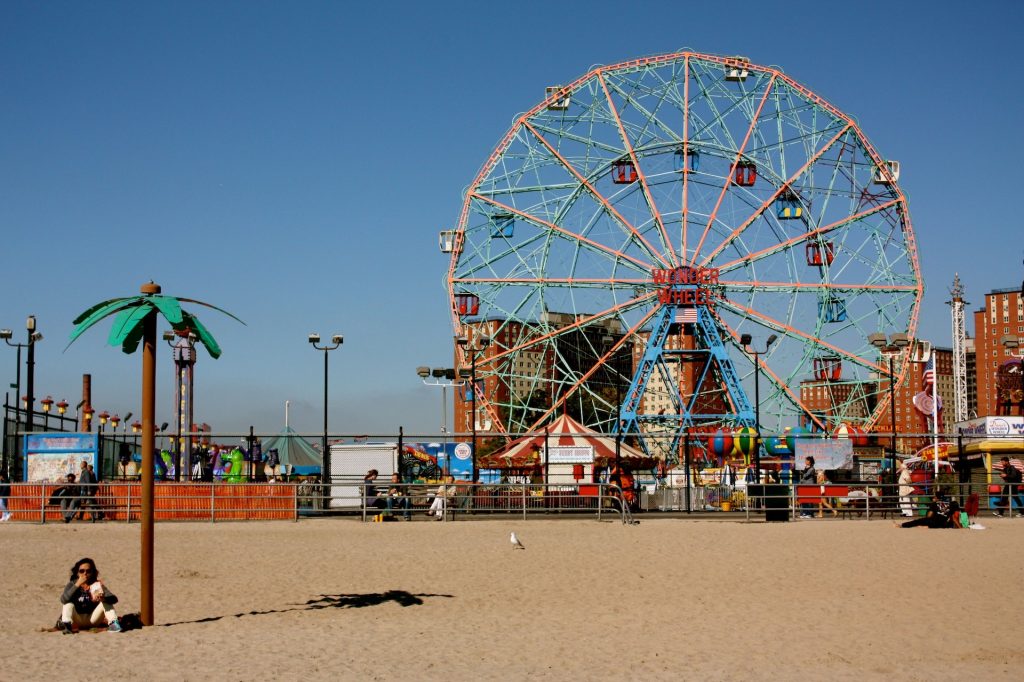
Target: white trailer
(349, 464)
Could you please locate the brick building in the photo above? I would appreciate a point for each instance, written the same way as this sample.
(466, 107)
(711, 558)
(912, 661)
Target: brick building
(1002, 315)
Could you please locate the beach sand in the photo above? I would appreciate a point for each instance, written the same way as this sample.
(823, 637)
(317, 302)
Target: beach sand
(668, 598)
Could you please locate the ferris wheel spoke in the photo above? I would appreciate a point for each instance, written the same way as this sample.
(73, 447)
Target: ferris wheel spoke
(567, 234)
(686, 149)
(584, 322)
(574, 386)
(786, 287)
(781, 385)
(774, 196)
(635, 235)
(779, 326)
(641, 176)
(803, 237)
(736, 160)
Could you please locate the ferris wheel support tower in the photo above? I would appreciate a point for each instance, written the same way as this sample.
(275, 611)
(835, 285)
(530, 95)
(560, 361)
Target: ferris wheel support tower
(957, 304)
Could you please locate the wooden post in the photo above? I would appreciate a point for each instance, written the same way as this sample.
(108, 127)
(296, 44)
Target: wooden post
(148, 446)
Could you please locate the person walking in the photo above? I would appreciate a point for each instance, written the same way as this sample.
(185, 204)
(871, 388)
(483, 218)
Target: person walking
(809, 476)
(906, 491)
(89, 487)
(1011, 490)
(5, 492)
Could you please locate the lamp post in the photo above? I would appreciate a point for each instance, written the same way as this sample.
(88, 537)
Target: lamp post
(439, 374)
(609, 344)
(890, 348)
(474, 351)
(32, 337)
(87, 413)
(104, 417)
(1011, 344)
(745, 341)
(62, 407)
(336, 341)
(47, 403)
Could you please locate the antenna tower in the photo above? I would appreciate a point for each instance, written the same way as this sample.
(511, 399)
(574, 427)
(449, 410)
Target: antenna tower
(959, 350)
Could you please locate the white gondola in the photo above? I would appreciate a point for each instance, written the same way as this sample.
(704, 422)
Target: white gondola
(737, 72)
(887, 173)
(446, 240)
(560, 104)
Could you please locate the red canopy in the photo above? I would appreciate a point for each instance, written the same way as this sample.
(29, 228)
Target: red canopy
(528, 451)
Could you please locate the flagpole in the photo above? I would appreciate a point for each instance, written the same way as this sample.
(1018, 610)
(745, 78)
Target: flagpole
(935, 417)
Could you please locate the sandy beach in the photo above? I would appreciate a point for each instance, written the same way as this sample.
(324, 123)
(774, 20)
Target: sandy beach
(668, 598)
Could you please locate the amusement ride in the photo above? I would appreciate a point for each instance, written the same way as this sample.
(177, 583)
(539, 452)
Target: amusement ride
(635, 234)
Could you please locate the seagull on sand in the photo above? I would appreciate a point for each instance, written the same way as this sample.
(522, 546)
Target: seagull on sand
(515, 542)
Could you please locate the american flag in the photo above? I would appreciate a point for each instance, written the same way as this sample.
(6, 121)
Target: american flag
(928, 376)
(686, 315)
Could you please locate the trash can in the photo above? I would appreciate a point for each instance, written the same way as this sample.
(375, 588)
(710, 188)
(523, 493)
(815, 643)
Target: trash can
(775, 497)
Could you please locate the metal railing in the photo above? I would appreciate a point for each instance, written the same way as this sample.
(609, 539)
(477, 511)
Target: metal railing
(120, 501)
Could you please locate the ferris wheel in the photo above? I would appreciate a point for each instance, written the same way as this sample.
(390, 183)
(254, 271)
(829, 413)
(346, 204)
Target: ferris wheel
(680, 242)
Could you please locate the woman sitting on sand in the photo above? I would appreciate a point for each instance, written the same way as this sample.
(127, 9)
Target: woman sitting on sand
(86, 602)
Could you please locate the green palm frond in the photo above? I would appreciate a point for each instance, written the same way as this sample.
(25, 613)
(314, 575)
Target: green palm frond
(168, 306)
(126, 324)
(98, 312)
(208, 305)
(114, 303)
(131, 341)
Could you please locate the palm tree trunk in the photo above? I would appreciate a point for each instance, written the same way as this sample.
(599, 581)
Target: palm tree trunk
(148, 446)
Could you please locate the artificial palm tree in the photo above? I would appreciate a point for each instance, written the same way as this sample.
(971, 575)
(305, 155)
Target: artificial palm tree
(135, 322)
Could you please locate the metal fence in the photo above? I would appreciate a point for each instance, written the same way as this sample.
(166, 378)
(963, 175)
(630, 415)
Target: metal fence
(120, 501)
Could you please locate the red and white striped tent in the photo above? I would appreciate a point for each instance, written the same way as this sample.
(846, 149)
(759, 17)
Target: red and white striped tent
(528, 451)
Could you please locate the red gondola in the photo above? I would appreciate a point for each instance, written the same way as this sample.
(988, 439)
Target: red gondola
(828, 368)
(624, 173)
(467, 304)
(745, 174)
(820, 253)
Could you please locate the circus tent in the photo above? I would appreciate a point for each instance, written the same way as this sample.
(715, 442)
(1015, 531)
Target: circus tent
(565, 431)
(294, 452)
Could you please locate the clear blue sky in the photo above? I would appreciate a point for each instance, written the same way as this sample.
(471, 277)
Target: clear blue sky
(293, 163)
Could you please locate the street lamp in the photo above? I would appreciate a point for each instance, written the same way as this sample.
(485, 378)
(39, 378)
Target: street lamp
(448, 375)
(336, 340)
(474, 352)
(87, 413)
(1011, 344)
(33, 336)
(62, 407)
(609, 344)
(104, 417)
(745, 341)
(890, 348)
(47, 403)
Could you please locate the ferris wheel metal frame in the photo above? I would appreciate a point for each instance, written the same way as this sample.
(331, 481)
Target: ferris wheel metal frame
(660, 209)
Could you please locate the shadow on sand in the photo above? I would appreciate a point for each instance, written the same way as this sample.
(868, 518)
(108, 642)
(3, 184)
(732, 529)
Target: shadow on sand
(332, 601)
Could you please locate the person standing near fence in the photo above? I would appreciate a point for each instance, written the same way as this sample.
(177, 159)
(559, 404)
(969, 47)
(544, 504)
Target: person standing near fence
(906, 491)
(5, 492)
(1011, 490)
(809, 476)
(88, 486)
